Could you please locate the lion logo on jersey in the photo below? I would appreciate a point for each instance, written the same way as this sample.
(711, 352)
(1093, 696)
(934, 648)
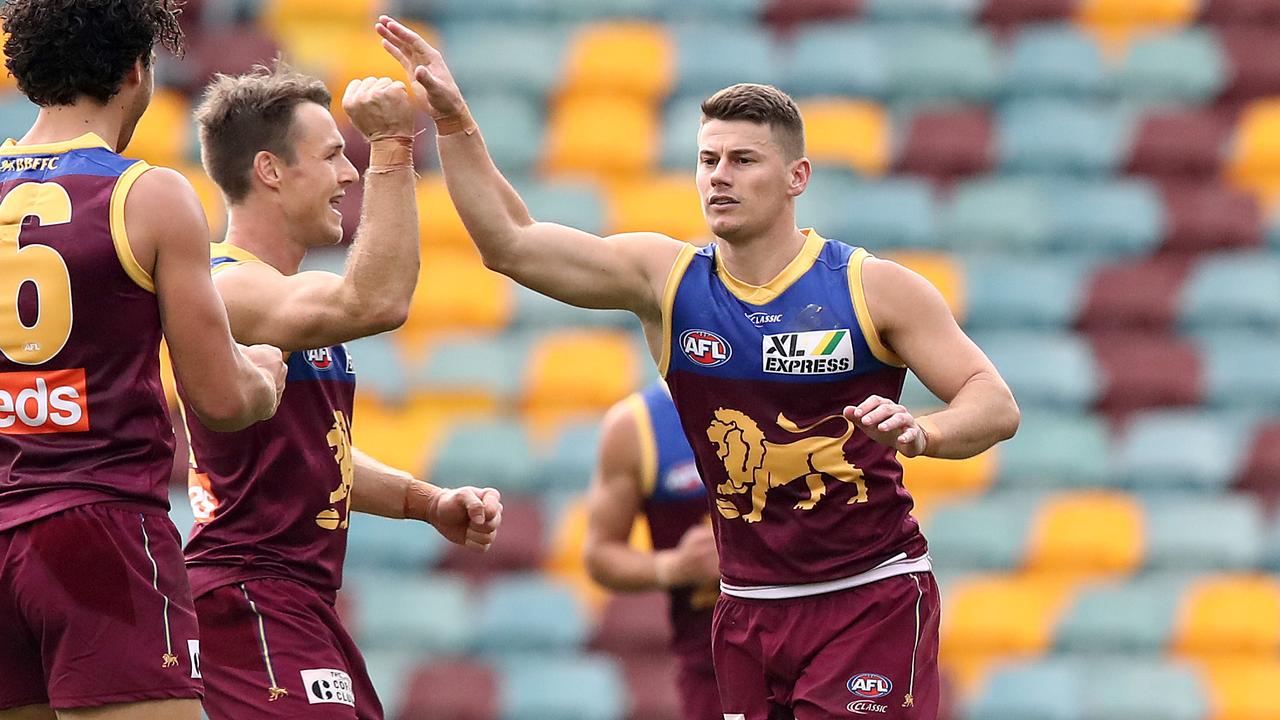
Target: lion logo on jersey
(756, 465)
(339, 438)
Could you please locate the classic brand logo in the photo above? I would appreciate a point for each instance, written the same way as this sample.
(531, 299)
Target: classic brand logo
(817, 352)
(52, 401)
(705, 347)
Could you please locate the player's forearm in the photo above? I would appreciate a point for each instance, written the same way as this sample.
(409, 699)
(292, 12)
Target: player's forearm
(379, 489)
(382, 266)
(981, 414)
(619, 567)
(488, 205)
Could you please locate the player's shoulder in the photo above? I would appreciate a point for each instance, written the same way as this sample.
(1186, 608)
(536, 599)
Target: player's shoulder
(163, 194)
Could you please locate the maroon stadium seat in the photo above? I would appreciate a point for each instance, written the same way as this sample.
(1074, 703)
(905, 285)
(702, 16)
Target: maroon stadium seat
(445, 690)
(1209, 216)
(523, 545)
(1017, 12)
(633, 623)
(1261, 475)
(785, 14)
(1253, 63)
(1242, 12)
(1190, 142)
(948, 144)
(1146, 370)
(1141, 294)
(651, 685)
(230, 50)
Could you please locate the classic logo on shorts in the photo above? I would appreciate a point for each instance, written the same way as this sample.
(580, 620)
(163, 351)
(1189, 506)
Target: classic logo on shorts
(868, 687)
(705, 347)
(328, 686)
(320, 358)
(817, 352)
(50, 401)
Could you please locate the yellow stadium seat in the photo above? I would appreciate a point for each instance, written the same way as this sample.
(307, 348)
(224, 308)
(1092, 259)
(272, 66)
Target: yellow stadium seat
(1004, 614)
(1116, 23)
(1255, 155)
(279, 15)
(164, 133)
(1088, 533)
(855, 133)
(402, 436)
(438, 221)
(932, 481)
(457, 292)
(338, 54)
(667, 204)
(1229, 615)
(602, 136)
(629, 58)
(581, 370)
(943, 272)
(1242, 689)
(215, 206)
(7, 81)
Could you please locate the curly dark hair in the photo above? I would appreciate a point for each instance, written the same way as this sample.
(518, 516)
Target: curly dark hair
(60, 50)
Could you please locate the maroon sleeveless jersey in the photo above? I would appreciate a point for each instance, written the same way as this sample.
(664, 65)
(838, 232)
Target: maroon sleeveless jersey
(760, 375)
(83, 416)
(272, 500)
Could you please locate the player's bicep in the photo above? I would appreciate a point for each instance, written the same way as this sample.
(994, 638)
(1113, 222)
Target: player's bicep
(292, 312)
(623, 272)
(614, 499)
(915, 322)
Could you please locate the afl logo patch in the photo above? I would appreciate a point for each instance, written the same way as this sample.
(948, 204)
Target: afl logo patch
(320, 359)
(870, 685)
(705, 347)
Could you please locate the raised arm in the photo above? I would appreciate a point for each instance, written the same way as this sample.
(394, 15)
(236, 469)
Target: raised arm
(467, 516)
(226, 387)
(625, 271)
(614, 502)
(914, 321)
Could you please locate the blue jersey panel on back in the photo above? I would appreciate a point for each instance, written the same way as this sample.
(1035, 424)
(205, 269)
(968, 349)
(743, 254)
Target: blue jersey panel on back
(675, 474)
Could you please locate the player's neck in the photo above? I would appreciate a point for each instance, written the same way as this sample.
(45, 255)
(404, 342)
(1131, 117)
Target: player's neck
(759, 259)
(263, 232)
(60, 123)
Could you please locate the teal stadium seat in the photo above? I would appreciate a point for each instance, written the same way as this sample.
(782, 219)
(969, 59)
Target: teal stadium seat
(1045, 370)
(1182, 67)
(1197, 532)
(1181, 449)
(572, 458)
(1129, 616)
(1109, 218)
(536, 311)
(1056, 136)
(180, 512)
(480, 57)
(1057, 451)
(932, 63)
(1055, 61)
(988, 533)
(837, 58)
(1092, 688)
(511, 122)
(469, 364)
(713, 10)
(452, 11)
(539, 687)
(495, 453)
(1233, 290)
(378, 366)
(383, 543)
(892, 214)
(574, 11)
(710, 56)
(576, 204)
(1240, 369)
(1012, 292)
(16, 115)
(522, 612)
(408, 612)
(1000, 215)
(930, 11)
(391, 672)
(680, 122)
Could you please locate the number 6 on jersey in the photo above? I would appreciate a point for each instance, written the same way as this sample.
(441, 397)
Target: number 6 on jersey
(39, 265)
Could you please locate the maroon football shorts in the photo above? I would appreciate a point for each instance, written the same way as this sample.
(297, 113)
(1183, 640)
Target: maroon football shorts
(867, 652)
(95, 610)
(277, 649)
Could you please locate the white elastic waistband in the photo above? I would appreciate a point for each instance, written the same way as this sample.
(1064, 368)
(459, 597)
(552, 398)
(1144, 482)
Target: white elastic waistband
(899, 564)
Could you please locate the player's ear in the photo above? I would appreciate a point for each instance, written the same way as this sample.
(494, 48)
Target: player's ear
(267, 169)
(800, 171)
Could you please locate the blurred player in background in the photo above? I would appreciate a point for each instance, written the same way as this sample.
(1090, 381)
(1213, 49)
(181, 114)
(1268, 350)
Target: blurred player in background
(646, 466)
(785, 354)
(102, 255)
(272, 503)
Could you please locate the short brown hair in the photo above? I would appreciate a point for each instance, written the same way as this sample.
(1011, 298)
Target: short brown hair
(242, 115)
(761, 104)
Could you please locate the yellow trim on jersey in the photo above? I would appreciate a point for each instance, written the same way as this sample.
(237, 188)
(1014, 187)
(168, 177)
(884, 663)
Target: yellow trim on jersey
(648, 444)
(85, 141)
(227, 250)
(119, 235)
(865, 322)
(674, 277)
(767, 293)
